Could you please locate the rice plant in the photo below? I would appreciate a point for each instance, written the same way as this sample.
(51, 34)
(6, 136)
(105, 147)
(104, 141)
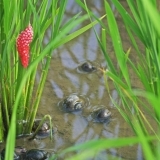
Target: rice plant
(142, 23)
(23, 28)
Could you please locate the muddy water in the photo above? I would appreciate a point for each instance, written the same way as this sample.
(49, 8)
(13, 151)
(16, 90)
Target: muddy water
(64, 79)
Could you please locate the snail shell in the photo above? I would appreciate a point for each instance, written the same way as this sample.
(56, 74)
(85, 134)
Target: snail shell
(44, 131)
(72, 103)
(88, 67)
(101, 115)
(36, 154)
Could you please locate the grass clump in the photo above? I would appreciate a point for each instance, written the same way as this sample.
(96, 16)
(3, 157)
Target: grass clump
(19, 104)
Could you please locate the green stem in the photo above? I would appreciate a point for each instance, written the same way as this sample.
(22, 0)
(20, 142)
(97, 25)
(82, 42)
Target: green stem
(2, 125)
(38, 94)
(29, 93)
(30, 84)
(5, 107)
(40, 125)
(21, 106)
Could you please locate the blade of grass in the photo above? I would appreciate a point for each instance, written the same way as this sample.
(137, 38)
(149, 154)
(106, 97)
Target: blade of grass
(127, 18)
(153, 14)
(116, 40)
(145, 144)
(94, 146)
(77, 33)
(2, 126)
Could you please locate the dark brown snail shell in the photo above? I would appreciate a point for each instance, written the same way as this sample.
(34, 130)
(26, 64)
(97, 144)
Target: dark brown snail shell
(101, 115)
(44, 130)
(88, 67)
(72, 103)
(36, 154)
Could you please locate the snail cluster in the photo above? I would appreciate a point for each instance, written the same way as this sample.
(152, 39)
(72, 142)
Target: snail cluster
(20, 153)
(74, 102)
(71, 103)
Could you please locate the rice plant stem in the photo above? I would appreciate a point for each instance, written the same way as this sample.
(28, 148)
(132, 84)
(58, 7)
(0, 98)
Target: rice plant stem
(2, 125)
(39, 93)
(21, 105)
(5, 105)
(40, 125)
(29, 93)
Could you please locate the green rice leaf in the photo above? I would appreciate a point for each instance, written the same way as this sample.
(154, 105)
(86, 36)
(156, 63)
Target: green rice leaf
(117, 43)
(88, 149)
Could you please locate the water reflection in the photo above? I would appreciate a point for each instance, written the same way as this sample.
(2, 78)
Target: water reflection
(114, 98)
(78, 127)
(58, 91)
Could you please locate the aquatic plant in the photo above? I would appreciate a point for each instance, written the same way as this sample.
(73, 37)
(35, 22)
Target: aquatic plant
(137, 102)
(19, 98)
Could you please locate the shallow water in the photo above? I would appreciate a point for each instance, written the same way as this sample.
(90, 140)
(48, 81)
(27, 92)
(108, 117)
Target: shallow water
(63, 80)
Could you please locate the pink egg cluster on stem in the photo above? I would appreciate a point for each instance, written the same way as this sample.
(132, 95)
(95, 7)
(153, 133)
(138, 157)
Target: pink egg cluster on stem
(23, 41)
